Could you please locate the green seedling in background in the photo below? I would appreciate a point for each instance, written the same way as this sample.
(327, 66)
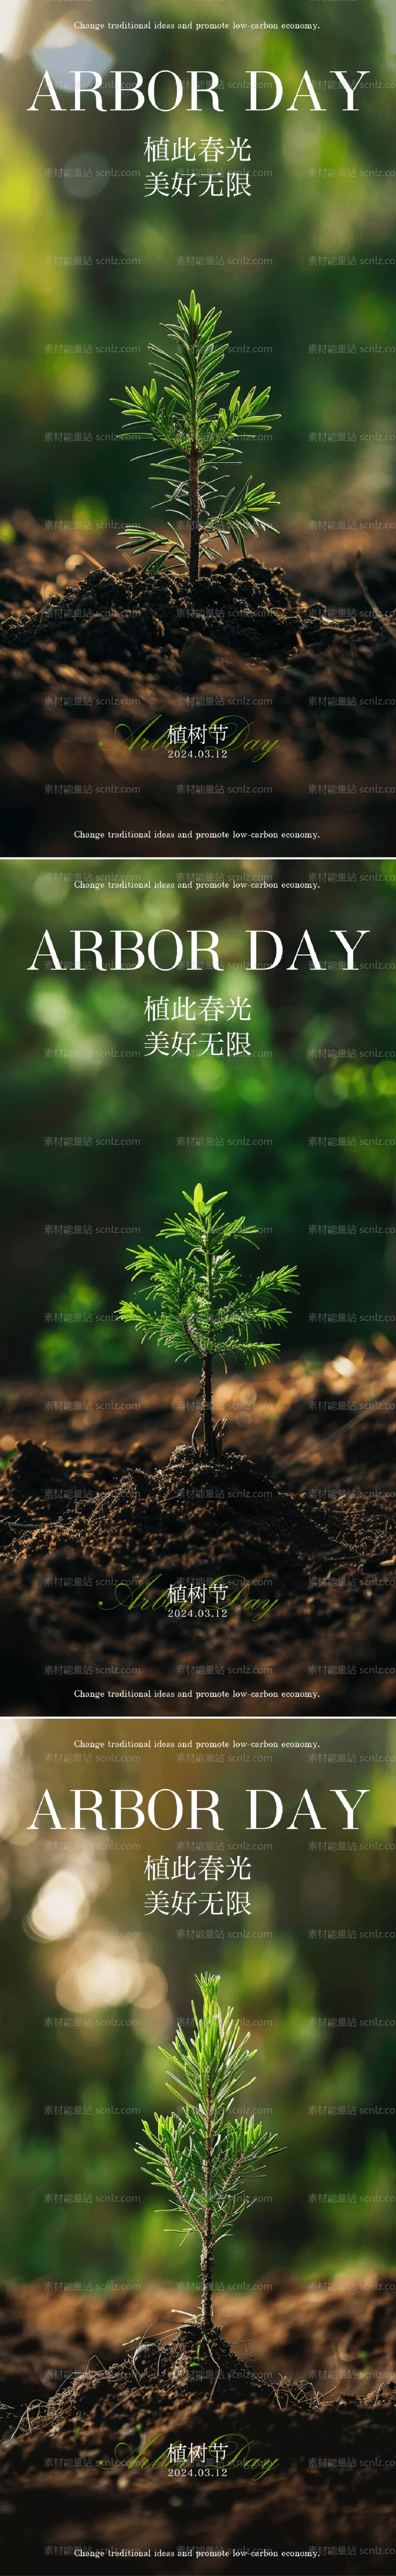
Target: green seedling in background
(201, 1306)
(190, 431)
(201, 2156)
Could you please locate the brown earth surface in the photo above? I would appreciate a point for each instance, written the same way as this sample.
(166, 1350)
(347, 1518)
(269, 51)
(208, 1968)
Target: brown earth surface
(89, 646)
(314, 2396)
(298, 1514)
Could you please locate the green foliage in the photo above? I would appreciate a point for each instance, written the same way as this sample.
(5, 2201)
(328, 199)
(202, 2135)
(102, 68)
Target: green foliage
(200, 2156)
(190, 422)
(199, 1301)
(81, 1339)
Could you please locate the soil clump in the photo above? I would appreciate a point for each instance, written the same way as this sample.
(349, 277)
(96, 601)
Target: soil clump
(246, 606)
(215, 1499)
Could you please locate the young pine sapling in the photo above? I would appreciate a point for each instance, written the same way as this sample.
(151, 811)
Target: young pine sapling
(200, 2155)
(198, 1304)
(190, 431)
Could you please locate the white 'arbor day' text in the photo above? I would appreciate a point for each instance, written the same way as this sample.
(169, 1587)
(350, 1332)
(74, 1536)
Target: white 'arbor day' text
(129, 953)
(204, 86)
(129, 1811)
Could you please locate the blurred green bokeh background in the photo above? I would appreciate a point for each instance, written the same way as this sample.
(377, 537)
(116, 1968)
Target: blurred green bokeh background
(83, 2018)
(303, 271)
(322, 1066)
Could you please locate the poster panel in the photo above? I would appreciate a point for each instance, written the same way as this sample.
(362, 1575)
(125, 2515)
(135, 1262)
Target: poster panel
(198, 506)
(198, 2170)
(199, 1370)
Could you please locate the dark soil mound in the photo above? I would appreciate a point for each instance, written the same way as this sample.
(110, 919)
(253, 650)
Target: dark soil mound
(247, 608)
(150, 2378)
(123, 2401)
(226, 1503)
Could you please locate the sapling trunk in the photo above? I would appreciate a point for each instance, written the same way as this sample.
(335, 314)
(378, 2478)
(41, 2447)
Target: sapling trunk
(207, 1417)
(194, 515)
(207, 2239)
